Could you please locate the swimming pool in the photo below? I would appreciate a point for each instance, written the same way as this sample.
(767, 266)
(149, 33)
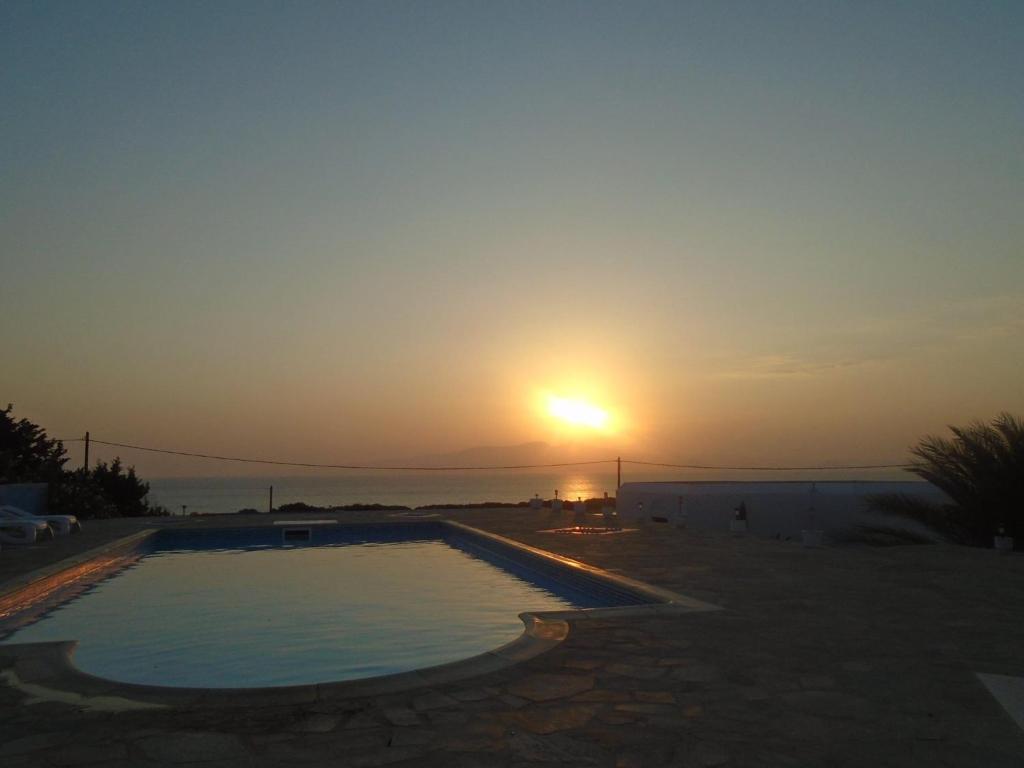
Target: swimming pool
(300, 604)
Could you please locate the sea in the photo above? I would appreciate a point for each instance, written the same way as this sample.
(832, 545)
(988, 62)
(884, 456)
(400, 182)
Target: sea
(229, 494)
(225, 495)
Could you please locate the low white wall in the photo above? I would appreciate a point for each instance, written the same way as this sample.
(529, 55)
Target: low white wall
(28, 496)
(773, 508)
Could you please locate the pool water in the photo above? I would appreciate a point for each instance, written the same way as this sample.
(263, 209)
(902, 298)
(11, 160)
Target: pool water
(234, 611)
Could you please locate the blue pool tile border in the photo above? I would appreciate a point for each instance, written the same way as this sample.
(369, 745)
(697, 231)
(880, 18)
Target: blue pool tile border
(581, 588)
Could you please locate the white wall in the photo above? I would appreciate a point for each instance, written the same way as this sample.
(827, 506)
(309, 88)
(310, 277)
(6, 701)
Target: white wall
(28, 496)
(773, 508)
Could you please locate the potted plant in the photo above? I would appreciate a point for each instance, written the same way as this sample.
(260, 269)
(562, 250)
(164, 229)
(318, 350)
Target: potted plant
(1002, 542)
(738, 525)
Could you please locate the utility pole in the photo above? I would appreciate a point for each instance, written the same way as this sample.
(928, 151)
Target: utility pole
(618, 480)
(270, 509)
(86, 451)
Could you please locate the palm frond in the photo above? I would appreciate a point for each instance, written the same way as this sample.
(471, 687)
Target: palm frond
(981, 469)
(939, 518)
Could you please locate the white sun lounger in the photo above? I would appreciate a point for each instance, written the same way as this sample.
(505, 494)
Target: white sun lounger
(62, 525)
(17, 531)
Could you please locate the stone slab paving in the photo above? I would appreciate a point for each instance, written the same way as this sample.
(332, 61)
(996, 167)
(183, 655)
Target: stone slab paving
(839, 656)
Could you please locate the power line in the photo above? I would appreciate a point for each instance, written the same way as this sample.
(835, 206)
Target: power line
(769, 469)
(309, 465)
(369, 467)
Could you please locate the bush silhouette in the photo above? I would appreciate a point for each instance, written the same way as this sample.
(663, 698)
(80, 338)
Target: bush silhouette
(981, 470)
(27, 455)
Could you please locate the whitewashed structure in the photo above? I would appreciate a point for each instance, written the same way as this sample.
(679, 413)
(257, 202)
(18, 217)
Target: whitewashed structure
(30, 497)
(777, 509)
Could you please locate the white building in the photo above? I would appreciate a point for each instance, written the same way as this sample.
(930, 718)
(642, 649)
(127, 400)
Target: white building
(782, 508)
(30, 497)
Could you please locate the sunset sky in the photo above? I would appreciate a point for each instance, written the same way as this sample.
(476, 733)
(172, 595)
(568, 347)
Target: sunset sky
(342, 232)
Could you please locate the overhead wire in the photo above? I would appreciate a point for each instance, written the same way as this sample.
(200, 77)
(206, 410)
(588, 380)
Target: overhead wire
(312, 465)
(554, 465)
(817, 468)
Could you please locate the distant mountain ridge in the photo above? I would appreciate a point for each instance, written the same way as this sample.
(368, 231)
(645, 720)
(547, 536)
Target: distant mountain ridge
(529, 453)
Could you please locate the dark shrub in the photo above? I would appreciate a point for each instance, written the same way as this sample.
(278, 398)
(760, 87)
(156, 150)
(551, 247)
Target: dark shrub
(981, 469)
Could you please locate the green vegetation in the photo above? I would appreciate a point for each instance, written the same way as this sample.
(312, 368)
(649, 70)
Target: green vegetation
(28, 455)
(595, 504)
(301, 506)
(981, 470)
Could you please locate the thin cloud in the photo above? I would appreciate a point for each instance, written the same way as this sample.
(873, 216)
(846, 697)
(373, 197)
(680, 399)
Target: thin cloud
(883, 339)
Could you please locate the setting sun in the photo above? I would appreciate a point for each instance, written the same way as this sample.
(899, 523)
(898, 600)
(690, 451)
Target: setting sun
(577, 412)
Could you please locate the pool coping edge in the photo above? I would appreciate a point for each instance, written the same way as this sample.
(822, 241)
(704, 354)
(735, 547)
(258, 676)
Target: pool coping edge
(47, 672)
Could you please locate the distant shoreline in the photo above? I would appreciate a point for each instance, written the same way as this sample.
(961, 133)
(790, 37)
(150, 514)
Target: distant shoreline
(592, 504)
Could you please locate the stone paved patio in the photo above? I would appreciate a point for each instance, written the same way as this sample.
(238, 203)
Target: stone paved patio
(841, 656)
